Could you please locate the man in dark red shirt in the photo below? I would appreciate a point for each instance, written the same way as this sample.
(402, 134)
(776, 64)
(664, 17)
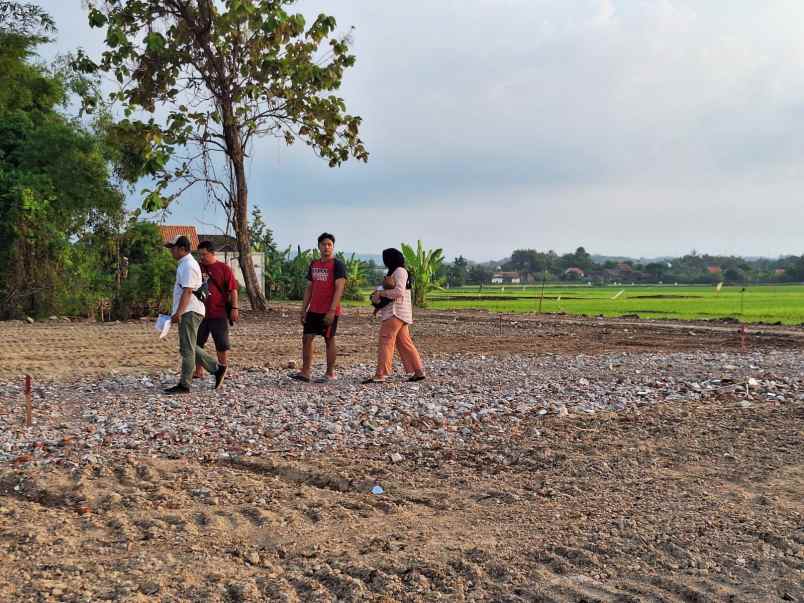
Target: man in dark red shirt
(322, 306)
(222, 285)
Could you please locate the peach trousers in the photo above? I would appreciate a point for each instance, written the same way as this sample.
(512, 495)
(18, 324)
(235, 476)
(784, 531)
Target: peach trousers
(395, 333)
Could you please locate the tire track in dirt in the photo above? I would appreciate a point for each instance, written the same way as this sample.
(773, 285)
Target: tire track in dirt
(54, 349)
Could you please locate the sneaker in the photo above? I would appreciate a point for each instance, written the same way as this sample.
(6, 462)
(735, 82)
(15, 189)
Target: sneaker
(219, 375)
(177, 389)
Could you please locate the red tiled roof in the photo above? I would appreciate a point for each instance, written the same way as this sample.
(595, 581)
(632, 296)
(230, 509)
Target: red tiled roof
(169, 232)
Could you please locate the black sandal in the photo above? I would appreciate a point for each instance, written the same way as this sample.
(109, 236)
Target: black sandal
(416, 378)
(299, 377)
(372, 380)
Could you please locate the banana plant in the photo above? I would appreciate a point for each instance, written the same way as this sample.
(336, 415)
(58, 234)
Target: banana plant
(296, 272)
(424, 266)
(355, 276)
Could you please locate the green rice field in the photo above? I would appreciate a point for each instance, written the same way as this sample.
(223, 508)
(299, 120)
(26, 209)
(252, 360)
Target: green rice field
(761, 303)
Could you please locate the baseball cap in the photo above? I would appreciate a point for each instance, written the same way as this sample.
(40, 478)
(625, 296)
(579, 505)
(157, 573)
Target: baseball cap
(180, 241)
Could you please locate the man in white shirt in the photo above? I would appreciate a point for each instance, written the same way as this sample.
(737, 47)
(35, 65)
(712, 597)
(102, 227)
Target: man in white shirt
(188, 311)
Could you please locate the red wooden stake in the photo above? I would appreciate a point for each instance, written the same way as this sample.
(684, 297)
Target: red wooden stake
(28, 402)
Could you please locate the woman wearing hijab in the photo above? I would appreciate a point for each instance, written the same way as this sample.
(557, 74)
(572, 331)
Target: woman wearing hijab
(396, 318)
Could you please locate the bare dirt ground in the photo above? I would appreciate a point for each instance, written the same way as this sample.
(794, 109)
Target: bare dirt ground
(700, 501)
(58, 349)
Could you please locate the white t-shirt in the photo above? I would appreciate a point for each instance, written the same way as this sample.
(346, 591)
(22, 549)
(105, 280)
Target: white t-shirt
(188, 274)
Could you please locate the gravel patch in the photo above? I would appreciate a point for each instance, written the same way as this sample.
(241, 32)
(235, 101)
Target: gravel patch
(465, 400)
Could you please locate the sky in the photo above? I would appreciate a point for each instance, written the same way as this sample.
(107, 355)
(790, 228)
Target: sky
(640, 128)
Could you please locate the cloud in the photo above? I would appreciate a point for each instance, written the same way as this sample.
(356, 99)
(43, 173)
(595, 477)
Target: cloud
(551, 123)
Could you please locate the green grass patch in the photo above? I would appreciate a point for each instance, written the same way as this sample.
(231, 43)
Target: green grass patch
(761, 303)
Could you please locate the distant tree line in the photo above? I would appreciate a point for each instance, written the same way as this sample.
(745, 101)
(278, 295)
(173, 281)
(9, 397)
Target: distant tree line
(531, 266)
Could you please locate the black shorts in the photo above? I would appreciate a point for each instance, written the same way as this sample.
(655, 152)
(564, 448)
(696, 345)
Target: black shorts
(314, 325)
(219, 329)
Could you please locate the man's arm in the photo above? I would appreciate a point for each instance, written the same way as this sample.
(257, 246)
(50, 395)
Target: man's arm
(183, 303)
(340, 285)
(308, 293)
(234, 297)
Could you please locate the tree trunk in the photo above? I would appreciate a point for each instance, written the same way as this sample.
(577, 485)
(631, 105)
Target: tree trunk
(240, 223)
(240, 215)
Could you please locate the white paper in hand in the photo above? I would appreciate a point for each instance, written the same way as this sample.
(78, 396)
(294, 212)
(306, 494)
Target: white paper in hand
(163, 325)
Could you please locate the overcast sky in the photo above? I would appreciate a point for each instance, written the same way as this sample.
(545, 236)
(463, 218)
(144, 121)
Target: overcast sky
(631, 127)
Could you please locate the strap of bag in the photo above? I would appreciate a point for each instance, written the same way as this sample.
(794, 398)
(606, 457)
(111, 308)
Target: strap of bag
(223, 289)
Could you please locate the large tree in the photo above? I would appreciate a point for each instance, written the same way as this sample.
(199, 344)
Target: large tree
(214, 76)
(456, 272)
(54, 177)
(529, 261)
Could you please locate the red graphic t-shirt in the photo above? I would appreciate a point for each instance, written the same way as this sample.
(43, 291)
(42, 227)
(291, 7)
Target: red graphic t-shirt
(323, 274)
(220, 283)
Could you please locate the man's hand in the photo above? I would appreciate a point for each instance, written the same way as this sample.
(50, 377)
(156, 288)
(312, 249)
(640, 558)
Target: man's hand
(303, 317)
(235, 315)
(329, 317)
(175, 318)
(375, 297)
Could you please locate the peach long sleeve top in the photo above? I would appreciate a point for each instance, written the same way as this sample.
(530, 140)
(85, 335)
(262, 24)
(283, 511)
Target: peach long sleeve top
(402, 306)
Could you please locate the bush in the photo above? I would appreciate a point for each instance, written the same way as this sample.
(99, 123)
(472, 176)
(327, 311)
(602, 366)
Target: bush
(148, 285)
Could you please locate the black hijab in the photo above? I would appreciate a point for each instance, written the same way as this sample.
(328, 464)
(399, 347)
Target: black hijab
(393, 259)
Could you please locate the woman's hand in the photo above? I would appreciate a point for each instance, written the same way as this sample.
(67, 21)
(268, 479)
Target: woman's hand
(375, 297)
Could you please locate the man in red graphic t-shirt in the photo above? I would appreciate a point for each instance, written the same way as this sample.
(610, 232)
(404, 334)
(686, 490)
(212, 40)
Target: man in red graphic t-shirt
(321, 308)
(221, 305)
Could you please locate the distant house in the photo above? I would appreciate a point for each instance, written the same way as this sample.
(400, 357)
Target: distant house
(573, 273)
(780, 272)
(506, 278)
(169, 232)
(713, 269)
(623, 267)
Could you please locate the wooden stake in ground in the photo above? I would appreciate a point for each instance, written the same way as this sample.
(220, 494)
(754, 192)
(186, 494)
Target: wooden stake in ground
(28, 402)
(541, 297)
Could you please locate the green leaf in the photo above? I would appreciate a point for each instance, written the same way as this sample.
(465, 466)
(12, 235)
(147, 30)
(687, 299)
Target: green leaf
(115, 37)
(96, 18)
(155, 41)
(153, 201)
